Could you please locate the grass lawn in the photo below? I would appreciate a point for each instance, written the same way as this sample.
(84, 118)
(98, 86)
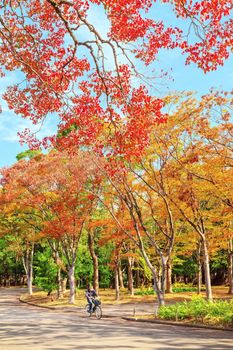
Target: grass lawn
(107, 296)
(182, 306)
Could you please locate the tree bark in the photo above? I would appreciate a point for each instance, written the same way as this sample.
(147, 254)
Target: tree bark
(130, 275)
(168, 277)
(59, 279)
(158, 282)
(120, 273)
(199, 268)
(117, 289)
(59, 284)
(159, 292)
(28, 265)
(137, 277)
(63, 284)
(71, 283)
(209, 295)
(230, 266)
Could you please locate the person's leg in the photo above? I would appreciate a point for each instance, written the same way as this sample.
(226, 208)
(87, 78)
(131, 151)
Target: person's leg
(90, 304)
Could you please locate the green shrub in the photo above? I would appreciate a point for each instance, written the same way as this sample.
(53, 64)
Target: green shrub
(198, 309)
(183, 287)
(177, 288)
(145, 291)
(178, 311)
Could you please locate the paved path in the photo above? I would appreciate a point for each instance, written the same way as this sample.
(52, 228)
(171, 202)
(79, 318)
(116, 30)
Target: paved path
(121, 310)
(25, 327)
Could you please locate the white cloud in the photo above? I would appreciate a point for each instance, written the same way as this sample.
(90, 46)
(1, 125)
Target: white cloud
(11, 124)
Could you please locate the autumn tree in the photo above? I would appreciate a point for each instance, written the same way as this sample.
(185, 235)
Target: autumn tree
(195, 169)
(143, 198)
(11, 267)
(61, 185)
(63, 57)
(65, 73)
(218, 163)
(95, 228)
(53, 188)
(123, 247)
(22, 217)
(21, 223)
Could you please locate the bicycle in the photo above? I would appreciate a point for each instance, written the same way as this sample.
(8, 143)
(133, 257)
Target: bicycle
(96, 309)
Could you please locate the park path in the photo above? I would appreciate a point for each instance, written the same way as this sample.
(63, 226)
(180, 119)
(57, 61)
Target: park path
(25, 327)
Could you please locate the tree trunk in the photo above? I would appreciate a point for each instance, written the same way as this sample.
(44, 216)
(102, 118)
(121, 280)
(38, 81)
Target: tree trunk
(168, 277)
(95, 262)
(117, 289)
(137, 278)
(59, 279)
(158, 281)
(130, 275)
(199, 268)
(230, 267)
(28, 265)
(63, 284)
(159, 292)
(120, 273)
(59, 284)
(164, 260)
(209, 295)
(71, 283)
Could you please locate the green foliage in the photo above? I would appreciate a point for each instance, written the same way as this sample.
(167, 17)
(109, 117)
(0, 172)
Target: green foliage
(146, 271)
(45, 271)
(219, 261)
(198, 309)
(105, 270)
(84, 266)
(185, 266)
(218, 267)
(67, 131)
(183, 287)
(145, 291)
(177, 288)
(29, 154)
(10, 264)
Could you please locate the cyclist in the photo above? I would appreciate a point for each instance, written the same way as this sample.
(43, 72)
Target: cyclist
(90, 294)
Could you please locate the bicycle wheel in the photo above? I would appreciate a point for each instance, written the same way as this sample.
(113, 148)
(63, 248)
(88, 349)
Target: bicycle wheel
(98, 312)
(87, 310)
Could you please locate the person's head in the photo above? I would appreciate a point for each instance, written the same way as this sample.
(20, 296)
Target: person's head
(89, 286)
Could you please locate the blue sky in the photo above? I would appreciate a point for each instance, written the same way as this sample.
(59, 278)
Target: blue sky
(185, 78)
(11, 124)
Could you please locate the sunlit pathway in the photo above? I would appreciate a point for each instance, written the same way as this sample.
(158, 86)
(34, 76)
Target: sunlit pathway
(24, 327)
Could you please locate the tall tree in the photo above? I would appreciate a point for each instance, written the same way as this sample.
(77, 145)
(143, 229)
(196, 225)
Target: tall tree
(140, 191)
(63, 55)
(198, 164)
(21, 219)
(68, 205)
(55, 188)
